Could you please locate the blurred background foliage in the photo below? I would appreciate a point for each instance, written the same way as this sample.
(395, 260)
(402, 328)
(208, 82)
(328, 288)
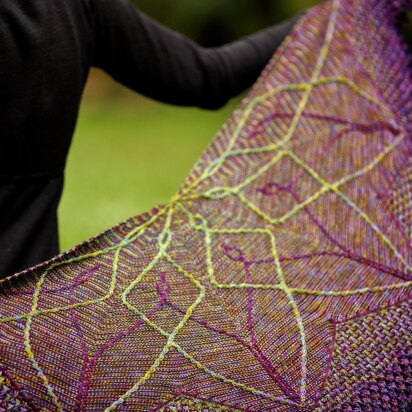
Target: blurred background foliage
(213, 22)
(129, 153)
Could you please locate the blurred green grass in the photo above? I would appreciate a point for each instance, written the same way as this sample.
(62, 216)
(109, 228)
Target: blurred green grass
(127, 156)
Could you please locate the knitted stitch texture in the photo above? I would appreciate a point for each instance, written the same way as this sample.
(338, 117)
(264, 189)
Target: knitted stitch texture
(278, 278)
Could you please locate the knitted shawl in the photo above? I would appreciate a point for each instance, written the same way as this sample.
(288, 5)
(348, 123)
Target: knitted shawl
(277, 279)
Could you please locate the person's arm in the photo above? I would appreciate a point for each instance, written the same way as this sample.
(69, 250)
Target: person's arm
(165, 65)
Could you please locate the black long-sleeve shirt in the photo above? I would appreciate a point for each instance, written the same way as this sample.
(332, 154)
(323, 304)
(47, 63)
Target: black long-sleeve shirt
(46, 50)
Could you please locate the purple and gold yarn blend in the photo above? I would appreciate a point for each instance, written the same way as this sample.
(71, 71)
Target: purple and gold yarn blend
(279, 278)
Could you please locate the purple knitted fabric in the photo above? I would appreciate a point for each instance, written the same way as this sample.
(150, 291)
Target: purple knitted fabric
(278, 278)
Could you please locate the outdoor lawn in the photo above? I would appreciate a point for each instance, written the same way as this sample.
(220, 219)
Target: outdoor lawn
(128, 155)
